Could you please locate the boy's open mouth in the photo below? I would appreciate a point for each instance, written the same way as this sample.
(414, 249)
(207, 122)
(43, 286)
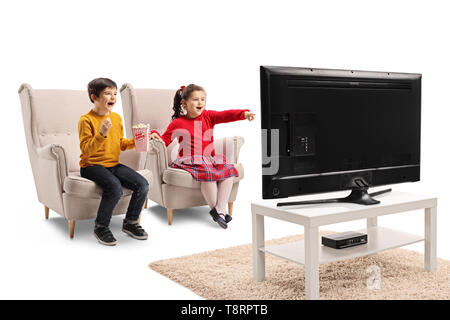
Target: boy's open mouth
(199, 108)
(110, 103)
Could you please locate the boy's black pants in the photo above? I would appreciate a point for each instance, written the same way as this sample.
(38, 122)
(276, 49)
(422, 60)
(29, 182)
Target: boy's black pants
(111, 181)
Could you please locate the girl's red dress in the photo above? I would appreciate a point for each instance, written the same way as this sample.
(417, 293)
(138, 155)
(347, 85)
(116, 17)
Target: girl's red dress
(196, 153)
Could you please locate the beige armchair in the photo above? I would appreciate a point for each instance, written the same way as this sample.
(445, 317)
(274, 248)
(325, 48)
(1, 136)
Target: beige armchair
(51, 128)
(171, 188)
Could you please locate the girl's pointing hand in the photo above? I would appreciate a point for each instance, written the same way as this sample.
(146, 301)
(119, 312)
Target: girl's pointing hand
(250, 116)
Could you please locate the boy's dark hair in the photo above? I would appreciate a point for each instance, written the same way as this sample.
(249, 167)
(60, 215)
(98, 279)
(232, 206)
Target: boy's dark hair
(97, 85)
(183, 93)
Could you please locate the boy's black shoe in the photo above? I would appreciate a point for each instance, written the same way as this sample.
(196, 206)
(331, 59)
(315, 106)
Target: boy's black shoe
(104, 236)
(134, 230)
(228, 218)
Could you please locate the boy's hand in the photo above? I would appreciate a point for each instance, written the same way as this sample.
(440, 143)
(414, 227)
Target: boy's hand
(105, 126)
(154, 136)
(250, 116)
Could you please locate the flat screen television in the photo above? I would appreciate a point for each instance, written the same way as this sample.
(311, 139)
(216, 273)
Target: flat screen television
(326, 130)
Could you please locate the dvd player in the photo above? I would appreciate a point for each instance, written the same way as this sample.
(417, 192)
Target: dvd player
(344, 239)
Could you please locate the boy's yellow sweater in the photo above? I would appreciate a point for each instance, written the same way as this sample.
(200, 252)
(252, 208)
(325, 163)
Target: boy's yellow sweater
(96, 149)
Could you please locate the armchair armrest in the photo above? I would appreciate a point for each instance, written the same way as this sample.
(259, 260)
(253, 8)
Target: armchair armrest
(51, 157)
(157, 157)
(133, 159)
(56, 153)
(230, 147)
(157, 162)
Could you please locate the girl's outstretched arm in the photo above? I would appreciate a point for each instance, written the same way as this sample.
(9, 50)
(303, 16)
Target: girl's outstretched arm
(226, 116)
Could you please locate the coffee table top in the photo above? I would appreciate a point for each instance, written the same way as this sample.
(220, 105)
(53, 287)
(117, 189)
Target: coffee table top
(320, 214)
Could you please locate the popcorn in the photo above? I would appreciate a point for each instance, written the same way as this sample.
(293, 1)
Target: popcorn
(141, 132)
(141, 125)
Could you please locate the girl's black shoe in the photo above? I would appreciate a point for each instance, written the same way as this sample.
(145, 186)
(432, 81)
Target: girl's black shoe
(218, 218)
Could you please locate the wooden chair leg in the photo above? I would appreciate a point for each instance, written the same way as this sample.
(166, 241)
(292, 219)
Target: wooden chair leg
(145, 206)
(47, 211)
(170, 216)
(71, 228)
(139, 219)
(230, 208)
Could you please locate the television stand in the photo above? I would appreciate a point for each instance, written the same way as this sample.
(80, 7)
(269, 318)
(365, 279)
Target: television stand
(358, 195)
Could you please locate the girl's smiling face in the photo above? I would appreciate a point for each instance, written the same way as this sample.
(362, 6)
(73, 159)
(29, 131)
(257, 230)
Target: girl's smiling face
(195, 104)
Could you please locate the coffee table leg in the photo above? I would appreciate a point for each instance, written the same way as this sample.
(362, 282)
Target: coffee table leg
(372, 222)
(312, 263)
(259, 259)
(430, 239)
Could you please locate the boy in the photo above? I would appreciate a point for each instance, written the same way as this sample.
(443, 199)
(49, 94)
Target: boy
(101, 140)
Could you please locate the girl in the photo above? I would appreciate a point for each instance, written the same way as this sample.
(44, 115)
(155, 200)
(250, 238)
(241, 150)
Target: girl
(193, 126)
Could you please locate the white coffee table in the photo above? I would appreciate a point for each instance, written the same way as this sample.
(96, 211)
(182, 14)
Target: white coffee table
(311, 253)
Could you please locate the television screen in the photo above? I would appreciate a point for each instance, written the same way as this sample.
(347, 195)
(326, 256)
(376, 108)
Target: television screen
(327, 130)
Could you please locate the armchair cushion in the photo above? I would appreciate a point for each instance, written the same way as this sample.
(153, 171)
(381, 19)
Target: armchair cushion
(85, 188)
(182, 178)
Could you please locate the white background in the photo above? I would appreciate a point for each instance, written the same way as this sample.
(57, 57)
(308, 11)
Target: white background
(60, 44)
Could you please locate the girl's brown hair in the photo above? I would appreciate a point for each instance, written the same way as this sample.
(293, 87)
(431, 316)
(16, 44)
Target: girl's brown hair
(183, 93)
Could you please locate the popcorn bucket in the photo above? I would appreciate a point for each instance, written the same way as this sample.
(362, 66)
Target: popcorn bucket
(141, 134)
